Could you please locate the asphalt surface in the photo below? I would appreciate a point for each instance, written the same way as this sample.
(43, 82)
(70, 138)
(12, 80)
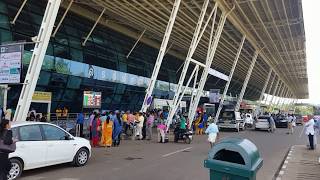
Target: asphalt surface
(145, 160)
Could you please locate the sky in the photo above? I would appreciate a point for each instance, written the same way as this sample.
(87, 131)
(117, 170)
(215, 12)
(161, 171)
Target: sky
(311, 16)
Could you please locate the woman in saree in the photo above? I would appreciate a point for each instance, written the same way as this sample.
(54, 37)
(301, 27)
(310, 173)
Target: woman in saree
(106, 138)
(117, 129)
(95, 130)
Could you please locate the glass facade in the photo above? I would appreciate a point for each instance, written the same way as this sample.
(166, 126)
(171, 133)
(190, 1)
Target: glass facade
(70, 68)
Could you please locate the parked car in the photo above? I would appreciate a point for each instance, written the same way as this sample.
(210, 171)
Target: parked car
(263, 123)
(44, 144)
(299, 119)
(281, 121)
(231, 120)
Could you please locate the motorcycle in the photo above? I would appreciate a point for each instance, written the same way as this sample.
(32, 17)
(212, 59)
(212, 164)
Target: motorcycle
(182, 134)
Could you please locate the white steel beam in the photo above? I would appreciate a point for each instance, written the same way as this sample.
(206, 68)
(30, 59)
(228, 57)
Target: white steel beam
(269, 90)
(244, 86)
(213, 44)
(36, 61)
(162, 51)
(212, 72)
(93, 27)
(168, 49)
(19, 11)
(135, 44)
(192, 48)
(282, 93)
(274, 91)
(229, 81)
(62, 18)
(174, 108)
(265, 86)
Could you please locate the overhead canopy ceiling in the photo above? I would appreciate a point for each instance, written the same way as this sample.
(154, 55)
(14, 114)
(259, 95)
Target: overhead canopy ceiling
(274, 25)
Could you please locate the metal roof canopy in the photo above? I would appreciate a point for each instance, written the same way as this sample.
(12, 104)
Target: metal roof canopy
(276, 25)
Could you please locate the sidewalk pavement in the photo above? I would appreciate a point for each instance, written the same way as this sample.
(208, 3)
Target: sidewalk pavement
(301, 164)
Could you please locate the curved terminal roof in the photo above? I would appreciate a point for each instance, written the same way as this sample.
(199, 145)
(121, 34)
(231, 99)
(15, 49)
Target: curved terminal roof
(277, 26)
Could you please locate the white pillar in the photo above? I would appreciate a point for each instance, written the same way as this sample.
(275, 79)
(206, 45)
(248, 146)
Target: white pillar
(244, 86)
(265, 86)
(230, 78)
(194, 43)
(270, 87)
(274, 91)
(39, 52)
(210, 55)
(162, 51)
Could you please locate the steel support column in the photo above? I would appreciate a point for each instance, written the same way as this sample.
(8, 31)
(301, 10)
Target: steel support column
(213, 44)
(265, 86)
(93, 27)
(162, 51)
(230, 78)
(270, 88)
(274, 91)
(281, 94)
(62, 18)
(36, 61)
(194, 75)
(135, 44)
(244, 86)
(193, 46)
(19, 11)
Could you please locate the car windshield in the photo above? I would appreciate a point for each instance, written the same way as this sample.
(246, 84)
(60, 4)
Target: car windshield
(227, 115)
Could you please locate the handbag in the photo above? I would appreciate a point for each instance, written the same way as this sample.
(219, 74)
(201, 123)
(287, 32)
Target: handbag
(7, 148)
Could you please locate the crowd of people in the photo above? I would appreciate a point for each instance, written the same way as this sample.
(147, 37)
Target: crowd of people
(106, 128)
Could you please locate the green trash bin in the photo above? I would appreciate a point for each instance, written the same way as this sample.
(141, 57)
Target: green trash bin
(233, 159)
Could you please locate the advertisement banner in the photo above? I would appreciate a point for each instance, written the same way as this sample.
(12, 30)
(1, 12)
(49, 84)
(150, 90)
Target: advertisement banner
(10, 63)
(214, 95)
(91, 99)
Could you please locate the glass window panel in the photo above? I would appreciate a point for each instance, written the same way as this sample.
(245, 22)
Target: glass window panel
(75, 42)
(76, 55)
(44, 78)
(5, 36)
(69, 95)
(30, 133)
(52, 133)
(48, 63)
(4, 22)
(74, 82)
(62, 66)
(77, 69)
(61, 51)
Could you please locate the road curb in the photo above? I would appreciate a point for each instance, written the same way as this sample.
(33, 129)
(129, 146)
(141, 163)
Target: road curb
(278, 172)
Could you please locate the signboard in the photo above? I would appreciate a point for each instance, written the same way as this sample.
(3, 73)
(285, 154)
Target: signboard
(10, 63)
(91, 99)
(214, 95)
(42, 96)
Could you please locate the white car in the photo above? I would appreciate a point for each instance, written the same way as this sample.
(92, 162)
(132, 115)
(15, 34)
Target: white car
(263, 123)
(44, 144)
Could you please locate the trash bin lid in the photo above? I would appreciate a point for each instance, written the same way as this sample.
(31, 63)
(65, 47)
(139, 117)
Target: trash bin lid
(246, 149)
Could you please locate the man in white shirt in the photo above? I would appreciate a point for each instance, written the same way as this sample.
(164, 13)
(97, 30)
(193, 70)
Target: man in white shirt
(309, 131)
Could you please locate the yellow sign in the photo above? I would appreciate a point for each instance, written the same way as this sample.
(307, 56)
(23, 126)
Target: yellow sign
(42, 96)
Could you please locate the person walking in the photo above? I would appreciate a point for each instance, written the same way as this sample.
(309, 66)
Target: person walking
(6, 140)
(117, 129)
(213, 133)
(309, 131)
(125, 122)
(95, 130)
(80, 120)
(140, 123)
(150, 121)
(161, 128)
(290, 124)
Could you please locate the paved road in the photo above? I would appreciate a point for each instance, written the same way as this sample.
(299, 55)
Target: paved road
(145, 160)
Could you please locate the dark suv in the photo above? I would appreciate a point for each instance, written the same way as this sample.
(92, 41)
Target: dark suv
(281, 121)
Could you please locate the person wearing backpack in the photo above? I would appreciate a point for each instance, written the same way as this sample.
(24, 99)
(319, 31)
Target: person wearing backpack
(7, 145)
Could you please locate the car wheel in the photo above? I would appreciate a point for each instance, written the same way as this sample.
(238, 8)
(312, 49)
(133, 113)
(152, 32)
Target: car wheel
(16, 169)
(81, 157)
